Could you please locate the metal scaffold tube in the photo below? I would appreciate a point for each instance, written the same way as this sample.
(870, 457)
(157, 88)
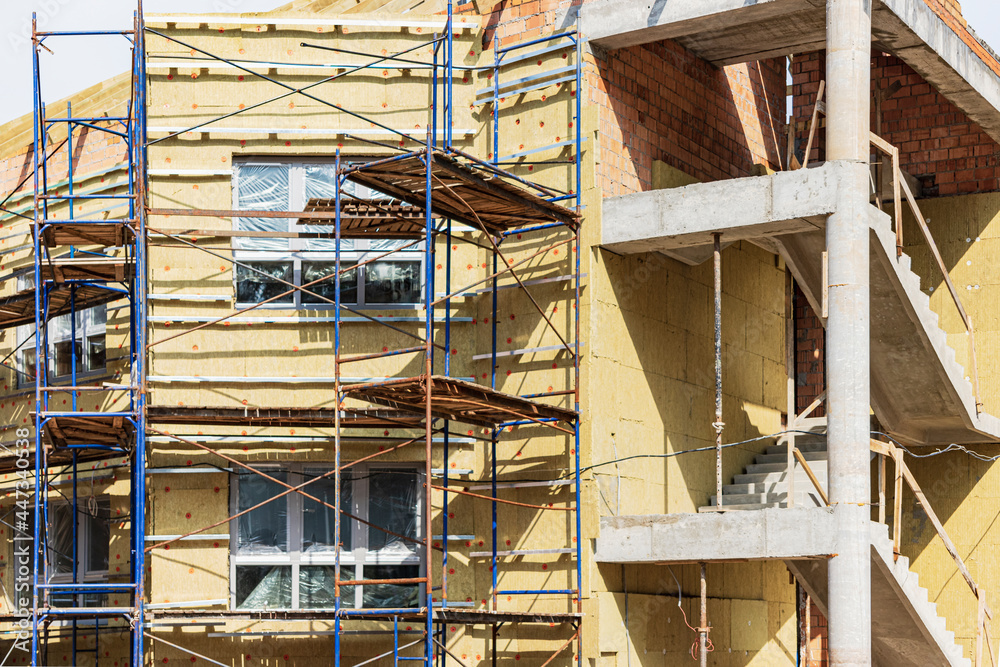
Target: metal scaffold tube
(52, 597)
(431, 612)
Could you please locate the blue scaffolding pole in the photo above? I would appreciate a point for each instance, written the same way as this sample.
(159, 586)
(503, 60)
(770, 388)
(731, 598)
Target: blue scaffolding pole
(73, 600)
(566, 41)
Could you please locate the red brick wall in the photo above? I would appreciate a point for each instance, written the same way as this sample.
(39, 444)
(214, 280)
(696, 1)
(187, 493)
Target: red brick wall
(661, 102)
(810, 355)
(817, 639)
(938, 143)
(807, 71)
(513, 21)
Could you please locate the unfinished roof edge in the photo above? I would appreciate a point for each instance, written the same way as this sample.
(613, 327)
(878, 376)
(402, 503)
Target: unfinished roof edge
(16, 134)
(969, 77)
(919, 37)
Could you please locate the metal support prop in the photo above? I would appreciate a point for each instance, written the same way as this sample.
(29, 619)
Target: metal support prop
(703, 623)
(718, 424)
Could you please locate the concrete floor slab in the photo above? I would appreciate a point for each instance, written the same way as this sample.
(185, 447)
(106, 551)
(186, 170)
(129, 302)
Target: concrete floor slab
(770, 534)
(667, 220)
(906, 630)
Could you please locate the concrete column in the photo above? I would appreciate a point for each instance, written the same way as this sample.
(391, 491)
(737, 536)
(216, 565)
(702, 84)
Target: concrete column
(848, 75)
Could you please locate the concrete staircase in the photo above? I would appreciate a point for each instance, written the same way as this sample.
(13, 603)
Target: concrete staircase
(906, 628)
(765, 482)
(909, 349)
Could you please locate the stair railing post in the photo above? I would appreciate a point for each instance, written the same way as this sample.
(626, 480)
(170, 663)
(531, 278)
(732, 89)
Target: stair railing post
(881, 488)
(897, 202)
(897, 508)
(790, 475)
(980, 626)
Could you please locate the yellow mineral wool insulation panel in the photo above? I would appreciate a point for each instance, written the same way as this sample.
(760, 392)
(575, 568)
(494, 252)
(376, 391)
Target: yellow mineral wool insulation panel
(190, 571)
(262, 21)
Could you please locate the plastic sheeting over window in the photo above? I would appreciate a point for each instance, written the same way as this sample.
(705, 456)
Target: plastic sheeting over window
(392, 282)
(284, 551)
(262, 187)
(92, 540)
(264, 587)
(321, 183)
(396, 596)
(265, 529)
(392, 504)
(316, 590)
(98, 526)
(318, 520)
(60, 538)
(328, 288)
(254, 287)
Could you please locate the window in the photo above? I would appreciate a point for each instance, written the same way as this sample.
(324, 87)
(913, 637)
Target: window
(283, 552)
(93, 537)
(288, 186)
(88, 344)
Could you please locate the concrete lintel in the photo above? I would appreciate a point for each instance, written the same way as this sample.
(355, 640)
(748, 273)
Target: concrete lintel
(768, 534)
(742, 208)
(615, 24)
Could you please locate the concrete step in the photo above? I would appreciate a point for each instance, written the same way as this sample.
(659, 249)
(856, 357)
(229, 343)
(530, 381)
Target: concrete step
(818, 468)
(818, 445)
(801, 499)
(740, 508)
(802, 485)
(776, 477)
(783, 458)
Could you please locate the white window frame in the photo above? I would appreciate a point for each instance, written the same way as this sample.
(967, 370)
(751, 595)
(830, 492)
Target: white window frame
(352, 250)
(357, 557)
(84, 536)
(87, 327)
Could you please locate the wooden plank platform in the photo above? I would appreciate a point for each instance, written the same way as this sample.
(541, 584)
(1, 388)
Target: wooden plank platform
(456, 615)
(285, 417)
(480, 617)
(112, 430)
(110, 234)
(87, 267)
(19, 308)
(458, 400)
(362, 219)
(463, 190)
(57, 458)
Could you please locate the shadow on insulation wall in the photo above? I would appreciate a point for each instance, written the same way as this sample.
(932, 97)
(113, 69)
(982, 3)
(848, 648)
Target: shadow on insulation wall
(654, 609)
(657, 338)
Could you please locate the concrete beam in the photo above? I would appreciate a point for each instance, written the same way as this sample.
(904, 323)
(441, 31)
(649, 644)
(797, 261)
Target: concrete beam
(725, 32)
(769, 534)
(616, 24)
(667, 220)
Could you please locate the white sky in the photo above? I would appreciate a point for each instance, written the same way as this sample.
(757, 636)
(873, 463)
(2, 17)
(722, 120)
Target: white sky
(79, 62)
(82, 62)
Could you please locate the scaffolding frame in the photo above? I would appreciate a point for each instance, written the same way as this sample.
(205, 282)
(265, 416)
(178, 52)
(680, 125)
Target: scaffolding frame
(426, 402)
(74, 281)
